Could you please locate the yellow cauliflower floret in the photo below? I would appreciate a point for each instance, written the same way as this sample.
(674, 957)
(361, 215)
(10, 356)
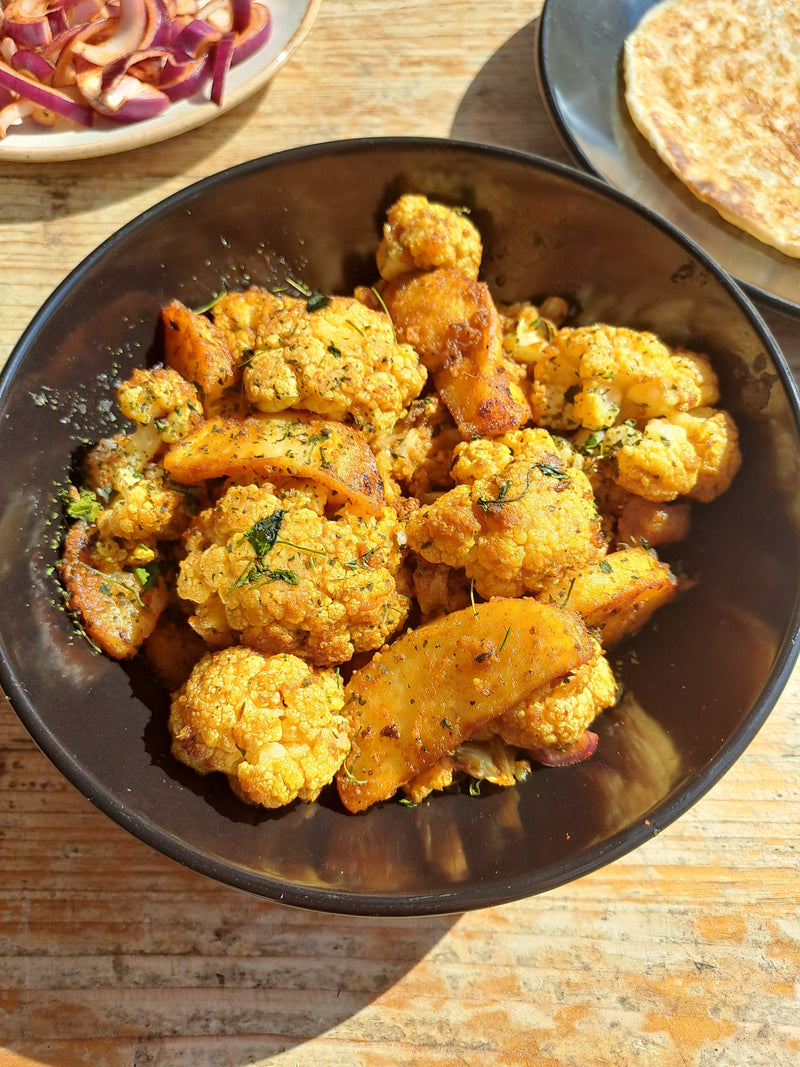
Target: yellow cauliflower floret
(693, 453)
(596, 376)
(340, 360)
(270, 723)
(715, 439)
(421, 235)
(485, 760)
(161, 397)
(557, 717)
(268, 567)
(139, 502)
(414, 457)
(149, 510)
(657, 463)
(521, 513)
(528, 330)
(116, 463)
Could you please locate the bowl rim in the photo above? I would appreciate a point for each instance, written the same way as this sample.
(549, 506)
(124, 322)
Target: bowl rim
(460, 899)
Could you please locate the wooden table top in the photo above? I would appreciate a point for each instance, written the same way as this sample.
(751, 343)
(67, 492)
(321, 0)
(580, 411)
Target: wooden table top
(685, 952)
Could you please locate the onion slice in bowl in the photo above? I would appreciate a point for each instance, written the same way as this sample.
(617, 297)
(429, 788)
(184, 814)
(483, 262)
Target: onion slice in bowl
(77, 61)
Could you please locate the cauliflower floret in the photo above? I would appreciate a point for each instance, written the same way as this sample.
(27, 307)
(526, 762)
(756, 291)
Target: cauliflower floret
(270, 723)
(688, 453)
(715, 439)
(138, 503)
(521, 513)
(557, 717)
(528, 330)
(161, 397)
(268, 567)
(657, 463)
(596, 376)
(340, 360)
(116, 463)
(151, 510)
(415, 455)
(438, 776)
(421, 235)
(487, 760)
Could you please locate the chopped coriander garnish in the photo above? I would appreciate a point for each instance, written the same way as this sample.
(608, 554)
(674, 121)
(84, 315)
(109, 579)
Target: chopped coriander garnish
(147, 575)
(487, 504)
(86, 507)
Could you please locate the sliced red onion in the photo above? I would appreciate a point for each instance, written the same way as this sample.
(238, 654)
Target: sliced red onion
(223, 56)
(13, 113)
(128, 34)
(581, 750)
(30, 62)
(61, 52)
(195, 38)
(179, 80)
(255, 36)
(79, 12)
(26, 23)
(123, 59)
(131, 101)
(218, 13)
(45, 96)
(160, 24)
(146, 65)
(241, 15)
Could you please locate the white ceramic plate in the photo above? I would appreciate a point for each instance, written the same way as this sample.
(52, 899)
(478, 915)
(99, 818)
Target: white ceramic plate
(578, 53)
(291, 22)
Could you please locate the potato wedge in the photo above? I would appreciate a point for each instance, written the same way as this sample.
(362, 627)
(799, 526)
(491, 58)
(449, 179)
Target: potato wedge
(617, 595)
(454, 325)
(197, 350)
(284, 445)
(117, 615)
(418, 699)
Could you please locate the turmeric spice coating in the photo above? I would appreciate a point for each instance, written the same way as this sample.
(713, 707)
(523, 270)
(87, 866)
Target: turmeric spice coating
(384, 541)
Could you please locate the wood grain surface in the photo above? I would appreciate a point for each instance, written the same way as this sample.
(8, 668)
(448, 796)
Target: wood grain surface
(686, 952)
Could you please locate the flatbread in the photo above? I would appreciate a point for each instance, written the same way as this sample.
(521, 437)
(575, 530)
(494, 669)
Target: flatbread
(714, 86)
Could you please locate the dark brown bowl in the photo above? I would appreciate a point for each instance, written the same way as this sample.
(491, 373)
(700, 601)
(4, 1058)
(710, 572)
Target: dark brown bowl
(702, 678)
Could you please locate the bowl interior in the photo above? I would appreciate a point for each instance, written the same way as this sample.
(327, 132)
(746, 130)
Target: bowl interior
(700, 680)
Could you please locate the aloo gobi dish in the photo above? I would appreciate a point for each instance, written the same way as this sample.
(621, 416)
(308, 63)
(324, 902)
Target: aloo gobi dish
(383, 542)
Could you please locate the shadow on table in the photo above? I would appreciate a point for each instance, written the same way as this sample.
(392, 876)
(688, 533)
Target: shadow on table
(74, 186)
(115, 955)
(503, 111)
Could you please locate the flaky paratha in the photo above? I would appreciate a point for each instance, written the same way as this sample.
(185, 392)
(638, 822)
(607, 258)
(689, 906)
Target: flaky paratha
(714, 86)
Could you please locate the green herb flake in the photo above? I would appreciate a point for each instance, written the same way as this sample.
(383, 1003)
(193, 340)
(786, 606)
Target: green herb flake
(148, 575)
(487, 504)
(263, 534)
(86, 507)
(317, 301)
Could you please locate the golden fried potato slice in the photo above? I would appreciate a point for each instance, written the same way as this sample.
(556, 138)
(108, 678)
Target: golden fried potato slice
(197, 350)
(452, 322)
(114, 610)
(418, 699)
(618, 594)
(284, 445)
